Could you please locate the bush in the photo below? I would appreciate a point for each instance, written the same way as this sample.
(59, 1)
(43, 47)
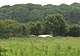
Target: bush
(74, 31)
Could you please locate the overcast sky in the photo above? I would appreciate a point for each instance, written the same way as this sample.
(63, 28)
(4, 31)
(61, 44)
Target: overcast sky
(43, 2)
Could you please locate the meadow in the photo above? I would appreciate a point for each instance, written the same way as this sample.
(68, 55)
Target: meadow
(34, 46)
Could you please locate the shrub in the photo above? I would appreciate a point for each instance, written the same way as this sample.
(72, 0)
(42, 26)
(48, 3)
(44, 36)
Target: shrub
(74, 31)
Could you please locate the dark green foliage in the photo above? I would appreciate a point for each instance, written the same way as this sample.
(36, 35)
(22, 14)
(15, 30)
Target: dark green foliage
(29, 19)
(56, 24)
(10, 28)
(36, 12)
(35, 29)
(74, 31)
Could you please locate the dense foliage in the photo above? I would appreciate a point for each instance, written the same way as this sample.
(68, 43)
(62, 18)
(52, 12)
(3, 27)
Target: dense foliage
(34, 19)
(74, 31)
(56, 24)
(37, 12)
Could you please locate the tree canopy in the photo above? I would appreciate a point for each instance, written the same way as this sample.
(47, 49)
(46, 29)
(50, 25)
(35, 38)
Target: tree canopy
(56, 24)
(36, 12)
(34, 19)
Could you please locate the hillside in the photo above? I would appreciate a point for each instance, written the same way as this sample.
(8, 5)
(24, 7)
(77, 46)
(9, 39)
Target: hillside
(36, 12)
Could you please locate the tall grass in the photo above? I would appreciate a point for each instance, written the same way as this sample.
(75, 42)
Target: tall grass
(60, 46)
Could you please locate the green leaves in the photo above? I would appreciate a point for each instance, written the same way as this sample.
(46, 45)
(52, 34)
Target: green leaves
(56, 22)
(74, 31)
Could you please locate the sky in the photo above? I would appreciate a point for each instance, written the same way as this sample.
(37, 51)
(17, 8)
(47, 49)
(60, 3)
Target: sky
(43, 2)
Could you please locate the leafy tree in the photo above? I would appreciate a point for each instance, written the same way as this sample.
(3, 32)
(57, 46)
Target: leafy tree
(56, 24)
(11, 28)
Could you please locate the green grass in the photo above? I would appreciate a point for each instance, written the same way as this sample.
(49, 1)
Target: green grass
(56, 46)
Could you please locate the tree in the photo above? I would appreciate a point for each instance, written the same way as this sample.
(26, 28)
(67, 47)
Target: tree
(56, 24)
(12, 28)
(35, 29)
(74, 31)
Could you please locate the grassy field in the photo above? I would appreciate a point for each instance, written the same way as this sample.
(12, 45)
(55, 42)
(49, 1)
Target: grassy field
(56, 46)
